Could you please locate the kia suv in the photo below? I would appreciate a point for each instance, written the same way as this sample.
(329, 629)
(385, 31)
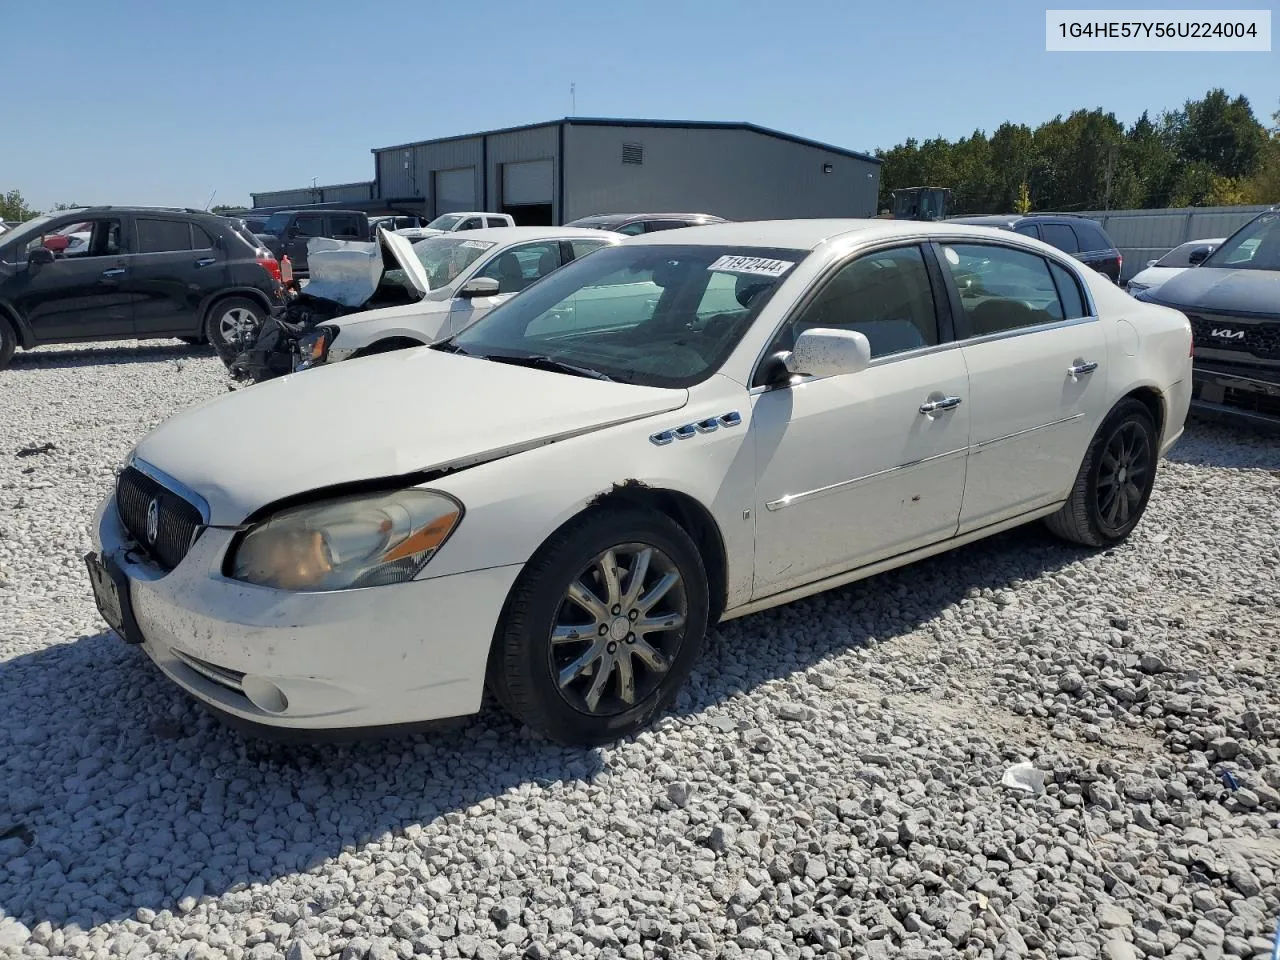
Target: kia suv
(140, 273)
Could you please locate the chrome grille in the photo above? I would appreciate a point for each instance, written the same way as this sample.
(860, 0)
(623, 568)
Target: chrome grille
(222, 676)
(1261, 337)
(178, 521)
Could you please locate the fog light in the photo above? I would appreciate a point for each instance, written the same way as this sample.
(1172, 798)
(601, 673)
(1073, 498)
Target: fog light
(264, 694)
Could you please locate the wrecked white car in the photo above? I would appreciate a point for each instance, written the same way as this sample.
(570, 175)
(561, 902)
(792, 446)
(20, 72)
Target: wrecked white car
(461, 276)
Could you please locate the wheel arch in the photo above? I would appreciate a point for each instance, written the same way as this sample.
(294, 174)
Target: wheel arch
(22, 329)
(247, 293)
(1154, 400)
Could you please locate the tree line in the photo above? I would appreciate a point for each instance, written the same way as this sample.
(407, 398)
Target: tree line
(1210, 151)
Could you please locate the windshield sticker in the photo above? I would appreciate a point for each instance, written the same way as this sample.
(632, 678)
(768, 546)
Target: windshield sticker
(757, 266)
(477, 244)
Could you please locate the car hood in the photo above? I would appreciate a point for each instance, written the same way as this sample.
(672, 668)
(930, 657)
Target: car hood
(383, 416)
(1222, 290)
(348, 271)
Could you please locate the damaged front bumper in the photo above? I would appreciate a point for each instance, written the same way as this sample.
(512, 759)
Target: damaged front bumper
(1237, 392)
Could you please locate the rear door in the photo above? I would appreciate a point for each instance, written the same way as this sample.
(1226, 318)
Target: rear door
(80, 296)
(176, 266)
(306, 226)
(1035, 357)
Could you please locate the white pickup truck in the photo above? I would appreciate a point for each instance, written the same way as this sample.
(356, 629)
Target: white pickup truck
(451, 222)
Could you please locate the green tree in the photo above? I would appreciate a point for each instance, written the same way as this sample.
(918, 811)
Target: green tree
(1221, 133)
(13, 207)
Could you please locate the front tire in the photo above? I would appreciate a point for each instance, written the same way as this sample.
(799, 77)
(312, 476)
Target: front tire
(8, 341)
(602, 628)
(232, 325)
(1115, 480)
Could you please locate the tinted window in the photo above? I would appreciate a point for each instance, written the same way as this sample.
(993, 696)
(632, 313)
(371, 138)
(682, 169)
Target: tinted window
(161, 236)
(582, 247)
(631, 229)
(1027, 230)
(496, 222)
(885, 296)
(1059, 235)
(200, 240)
(310, 226)
(515, 269)
(653, 225)
(1090, 236)
(1068, 292)
(345, 228)
(1002, 289)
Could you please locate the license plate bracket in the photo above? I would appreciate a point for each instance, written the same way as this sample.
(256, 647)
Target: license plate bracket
(111, 595)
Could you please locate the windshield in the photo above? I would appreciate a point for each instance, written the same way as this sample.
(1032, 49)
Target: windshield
(665, 316)
(1180, 256)
(447, 222)
(276, 223)
(446, 257)
(1255, 246)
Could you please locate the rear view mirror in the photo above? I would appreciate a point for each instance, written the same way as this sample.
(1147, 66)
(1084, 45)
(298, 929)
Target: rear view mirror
(1199, 255)
(823, 352)
(479, 287)
(39, 256)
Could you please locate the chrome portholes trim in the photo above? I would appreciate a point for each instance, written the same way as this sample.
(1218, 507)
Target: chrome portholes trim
(173, 484)
(983, 444)
(686, 430)
(792, 499)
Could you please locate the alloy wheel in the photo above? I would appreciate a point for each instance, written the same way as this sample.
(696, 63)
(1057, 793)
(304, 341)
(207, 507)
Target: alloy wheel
(237, 325)
(1123, 475)
(618, 629)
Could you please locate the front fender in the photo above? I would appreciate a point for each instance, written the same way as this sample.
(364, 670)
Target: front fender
(26, 336)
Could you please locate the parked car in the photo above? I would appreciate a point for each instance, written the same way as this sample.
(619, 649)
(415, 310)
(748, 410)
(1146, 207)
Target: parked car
(453, 222)
(256, 222)
(286, 233)
(1233, 302)
(560, 508)
(443, 284)
(145, 272)
(1081, 237)
(1185, 255)
(630, 224)
(394, 222)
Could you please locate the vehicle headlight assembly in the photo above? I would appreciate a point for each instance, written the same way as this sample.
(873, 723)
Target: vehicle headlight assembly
(349, 542)
(1135, 287)
(313, 347)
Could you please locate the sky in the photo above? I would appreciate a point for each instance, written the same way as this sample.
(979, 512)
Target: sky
(163, 102)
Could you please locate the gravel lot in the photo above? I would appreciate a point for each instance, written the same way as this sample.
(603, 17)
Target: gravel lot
(830, 784)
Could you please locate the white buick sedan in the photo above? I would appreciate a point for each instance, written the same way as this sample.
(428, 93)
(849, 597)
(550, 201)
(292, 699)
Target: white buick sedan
(688, 427)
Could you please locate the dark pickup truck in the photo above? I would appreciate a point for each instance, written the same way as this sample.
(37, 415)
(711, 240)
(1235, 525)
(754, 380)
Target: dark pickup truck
(1233, 302)
(287, 232)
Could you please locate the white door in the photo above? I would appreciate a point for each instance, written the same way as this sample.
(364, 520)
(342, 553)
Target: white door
(850, 469)
(1036, 364)
(455, 190)
(527, 182)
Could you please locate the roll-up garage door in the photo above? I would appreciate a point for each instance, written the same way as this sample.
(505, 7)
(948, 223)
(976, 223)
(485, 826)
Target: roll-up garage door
(527, 192)
(455, 190)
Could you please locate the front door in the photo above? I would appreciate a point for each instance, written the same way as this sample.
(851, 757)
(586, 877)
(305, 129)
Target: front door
(1037, 369)
(304, 227)
(80, 295)
(856, 468)
(175, 268)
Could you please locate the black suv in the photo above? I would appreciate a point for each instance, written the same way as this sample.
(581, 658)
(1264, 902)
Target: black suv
(287, 232)
(634, 223)
(123, 273)
(1233, 302)
(1081, 237)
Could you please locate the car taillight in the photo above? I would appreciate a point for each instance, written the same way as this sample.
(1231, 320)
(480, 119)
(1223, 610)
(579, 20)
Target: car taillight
(272, 266)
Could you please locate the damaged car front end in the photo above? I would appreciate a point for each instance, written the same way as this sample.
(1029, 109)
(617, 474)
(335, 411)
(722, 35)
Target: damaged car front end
(346, 277)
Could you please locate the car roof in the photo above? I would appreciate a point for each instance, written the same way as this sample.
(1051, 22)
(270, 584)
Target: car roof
(804, 234)
(989, 220)
(632, 217)
(515, 234)
(470, 213)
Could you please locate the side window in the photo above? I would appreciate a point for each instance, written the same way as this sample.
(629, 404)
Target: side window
(1069, 292)
(518, 267)
(163, 236)
(496, 221)
(1002, 289)
(92, 238)
(1059, 235)
(582, 247)
(1027, 230)
(471, 223)
(1090, 237)
(631, 229)
(345, 228)
(653, 225)
(200, 240)
(885, 295)
(310, 226)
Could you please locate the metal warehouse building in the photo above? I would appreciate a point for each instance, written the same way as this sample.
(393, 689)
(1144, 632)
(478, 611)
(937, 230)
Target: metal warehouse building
(551, 173)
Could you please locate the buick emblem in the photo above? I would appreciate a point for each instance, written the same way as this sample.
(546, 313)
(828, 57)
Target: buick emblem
(153, 521)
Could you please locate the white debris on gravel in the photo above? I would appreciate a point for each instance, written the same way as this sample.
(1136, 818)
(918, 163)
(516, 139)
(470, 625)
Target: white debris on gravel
(828, 786)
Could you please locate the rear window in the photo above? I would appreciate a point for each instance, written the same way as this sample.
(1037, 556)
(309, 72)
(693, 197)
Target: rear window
(1091, 236)
(1059, 235)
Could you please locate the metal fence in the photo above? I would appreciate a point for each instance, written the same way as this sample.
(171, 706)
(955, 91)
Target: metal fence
(1144, 235)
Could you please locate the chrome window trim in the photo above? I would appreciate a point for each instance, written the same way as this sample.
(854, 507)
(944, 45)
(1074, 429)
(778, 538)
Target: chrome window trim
(791, 499)
(173, 484)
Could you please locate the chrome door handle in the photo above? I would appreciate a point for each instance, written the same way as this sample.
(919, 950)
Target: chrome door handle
(1077, 370)
(206, 261)
(934, 406)
(113, 273)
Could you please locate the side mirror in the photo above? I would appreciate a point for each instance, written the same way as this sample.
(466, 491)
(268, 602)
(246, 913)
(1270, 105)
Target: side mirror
(479, 287)
(822, 352)
(1199, 255)
(39, 257)
(1152, 263)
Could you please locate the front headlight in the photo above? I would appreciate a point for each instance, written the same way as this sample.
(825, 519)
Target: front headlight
(1132, 287)
(361, 541)
(313, 347)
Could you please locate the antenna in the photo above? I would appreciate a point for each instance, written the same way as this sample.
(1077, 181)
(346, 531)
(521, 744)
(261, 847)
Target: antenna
(210, 203)
(573, 99)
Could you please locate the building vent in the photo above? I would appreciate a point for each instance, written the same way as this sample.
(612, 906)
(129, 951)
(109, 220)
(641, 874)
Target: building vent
(633, 153)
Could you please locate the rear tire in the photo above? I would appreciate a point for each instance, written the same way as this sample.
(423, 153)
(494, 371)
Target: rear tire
(1115, 480)
(588, 677)
(232, 325)
(8, 341)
